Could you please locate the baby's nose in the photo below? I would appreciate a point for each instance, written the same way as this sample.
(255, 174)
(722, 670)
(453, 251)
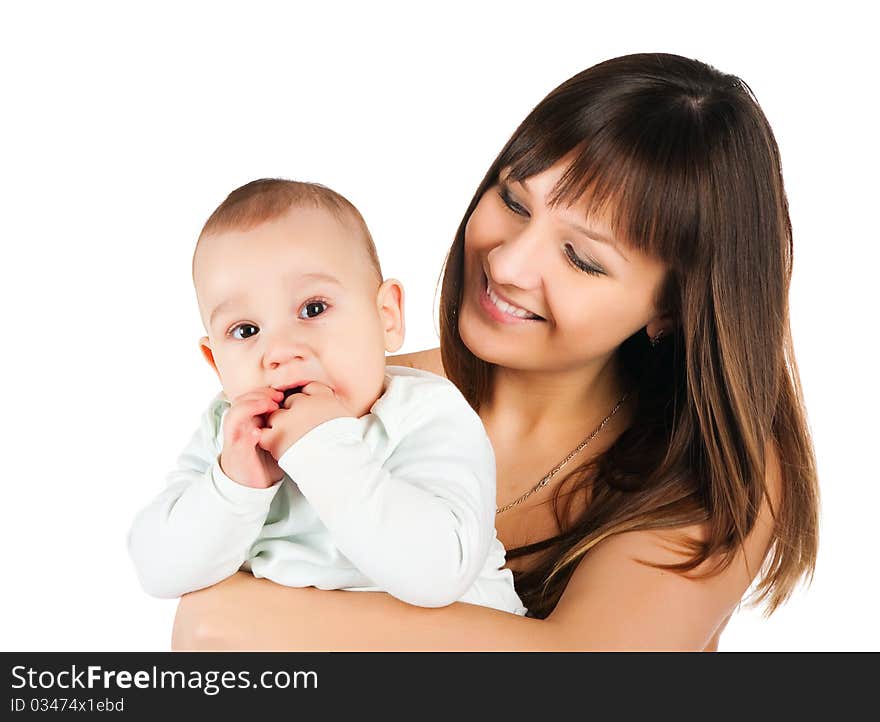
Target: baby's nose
(283, 350)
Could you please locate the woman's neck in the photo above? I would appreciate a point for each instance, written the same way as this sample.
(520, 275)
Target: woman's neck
(529, 404)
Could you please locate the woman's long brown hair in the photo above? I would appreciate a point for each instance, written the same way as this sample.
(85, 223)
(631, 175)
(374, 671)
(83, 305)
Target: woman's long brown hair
(683, 158)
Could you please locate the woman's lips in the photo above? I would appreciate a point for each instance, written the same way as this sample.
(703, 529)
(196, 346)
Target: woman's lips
(495, 313)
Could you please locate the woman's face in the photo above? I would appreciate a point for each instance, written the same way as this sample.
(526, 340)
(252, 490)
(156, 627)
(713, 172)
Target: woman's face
(559, 297)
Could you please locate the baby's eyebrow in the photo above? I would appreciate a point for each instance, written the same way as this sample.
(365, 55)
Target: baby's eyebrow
(310, 276)
(221, 306)
(314, 276)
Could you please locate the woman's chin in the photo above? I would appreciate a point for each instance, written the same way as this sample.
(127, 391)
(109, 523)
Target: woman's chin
(483, 342)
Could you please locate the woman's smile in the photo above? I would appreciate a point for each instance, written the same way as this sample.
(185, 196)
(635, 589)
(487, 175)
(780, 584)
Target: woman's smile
(500, 310)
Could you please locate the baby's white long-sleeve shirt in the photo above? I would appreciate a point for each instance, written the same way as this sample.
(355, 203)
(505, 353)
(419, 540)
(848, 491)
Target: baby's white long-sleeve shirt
(401, 500)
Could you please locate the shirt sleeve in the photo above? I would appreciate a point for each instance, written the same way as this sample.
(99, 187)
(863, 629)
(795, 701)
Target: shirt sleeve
(198, 531)
(419, 523)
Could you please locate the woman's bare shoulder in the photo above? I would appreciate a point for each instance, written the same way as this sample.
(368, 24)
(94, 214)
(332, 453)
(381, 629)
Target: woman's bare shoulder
(612, 591)
(428, 360)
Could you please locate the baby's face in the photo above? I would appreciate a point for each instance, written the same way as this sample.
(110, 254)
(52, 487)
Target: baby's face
(296, 300)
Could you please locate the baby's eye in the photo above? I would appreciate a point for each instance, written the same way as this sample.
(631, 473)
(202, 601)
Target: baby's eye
(313, 308)
(252, 330)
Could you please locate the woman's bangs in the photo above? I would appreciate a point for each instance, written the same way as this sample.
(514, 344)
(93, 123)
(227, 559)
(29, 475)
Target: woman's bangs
(648, 207)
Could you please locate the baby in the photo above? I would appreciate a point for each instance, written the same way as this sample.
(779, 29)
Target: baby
(318, 465)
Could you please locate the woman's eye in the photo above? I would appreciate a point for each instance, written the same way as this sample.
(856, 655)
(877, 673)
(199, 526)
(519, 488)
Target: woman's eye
(244, 327)
(313, 308)
(511, 204)
(579, 263)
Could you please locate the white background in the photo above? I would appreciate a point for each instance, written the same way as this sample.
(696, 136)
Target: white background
(123, 125)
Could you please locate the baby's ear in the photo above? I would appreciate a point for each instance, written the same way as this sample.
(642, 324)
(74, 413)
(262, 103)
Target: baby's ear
(389, 301)
(205, 348)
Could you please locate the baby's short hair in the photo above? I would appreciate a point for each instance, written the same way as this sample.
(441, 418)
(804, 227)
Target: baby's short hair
(266, 199)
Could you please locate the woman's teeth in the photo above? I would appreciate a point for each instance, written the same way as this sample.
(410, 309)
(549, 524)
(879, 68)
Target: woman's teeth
(506, 307)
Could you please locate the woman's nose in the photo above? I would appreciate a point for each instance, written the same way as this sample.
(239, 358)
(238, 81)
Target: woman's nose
(518, 260)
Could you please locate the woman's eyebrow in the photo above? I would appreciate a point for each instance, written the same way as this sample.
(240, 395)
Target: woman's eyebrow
(596, 236)
(588, 232)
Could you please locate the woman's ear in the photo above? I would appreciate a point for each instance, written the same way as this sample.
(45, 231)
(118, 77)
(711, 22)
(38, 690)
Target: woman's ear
(205, 348)
(662, 325)
(389, 302)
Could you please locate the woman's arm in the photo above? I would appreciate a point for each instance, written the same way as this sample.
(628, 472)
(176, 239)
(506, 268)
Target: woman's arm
(611, 602)
(245, 613)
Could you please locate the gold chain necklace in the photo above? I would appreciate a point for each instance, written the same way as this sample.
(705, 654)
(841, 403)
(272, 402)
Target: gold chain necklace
(555, 470)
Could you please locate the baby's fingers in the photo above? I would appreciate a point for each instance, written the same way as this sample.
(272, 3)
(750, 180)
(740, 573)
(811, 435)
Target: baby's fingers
(267, 438)
(264, 392)
(316, 388)
(246, 410)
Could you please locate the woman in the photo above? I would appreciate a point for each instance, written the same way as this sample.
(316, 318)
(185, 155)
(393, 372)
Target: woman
(614, 304)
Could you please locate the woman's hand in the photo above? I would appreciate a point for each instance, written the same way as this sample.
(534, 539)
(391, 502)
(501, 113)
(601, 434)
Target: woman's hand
(611, 603)
(245, 613)
(217, 617)
(282, 618)
(428, 360)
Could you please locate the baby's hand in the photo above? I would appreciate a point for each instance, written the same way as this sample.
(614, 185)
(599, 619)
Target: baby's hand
(242, 459)
(300, 414)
